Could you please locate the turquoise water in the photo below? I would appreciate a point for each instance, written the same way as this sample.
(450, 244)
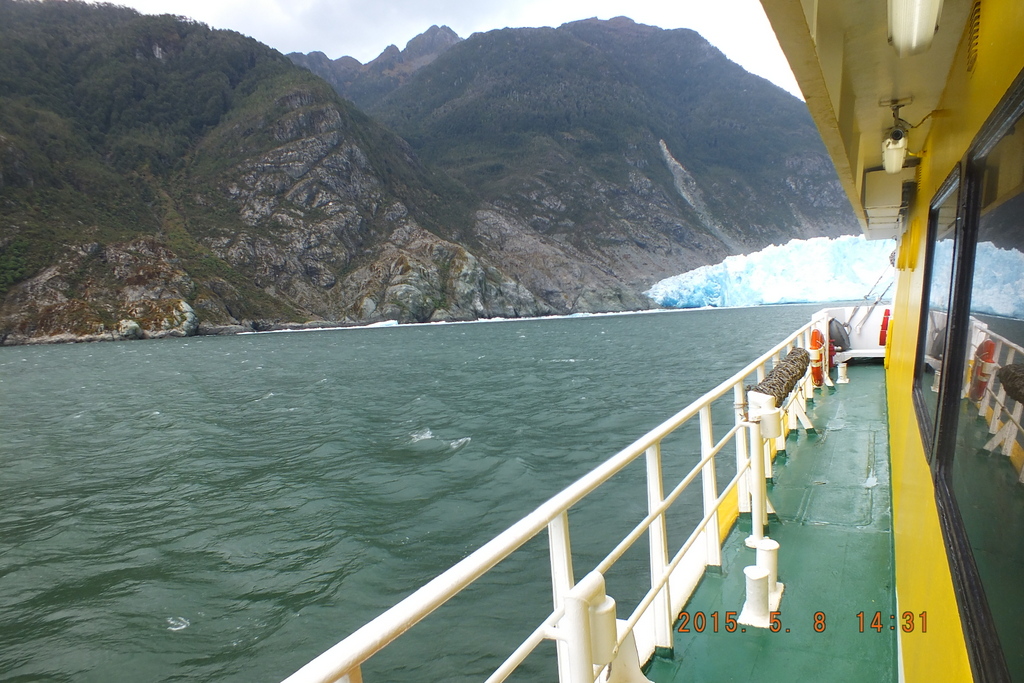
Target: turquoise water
(224, 509)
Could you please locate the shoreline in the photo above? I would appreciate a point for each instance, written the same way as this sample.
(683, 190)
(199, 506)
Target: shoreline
(204, 330)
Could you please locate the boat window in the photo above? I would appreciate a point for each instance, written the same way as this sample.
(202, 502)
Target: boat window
(987, 468)
(942, 223)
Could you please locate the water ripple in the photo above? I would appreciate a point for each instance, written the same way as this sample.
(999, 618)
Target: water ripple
(228, 508)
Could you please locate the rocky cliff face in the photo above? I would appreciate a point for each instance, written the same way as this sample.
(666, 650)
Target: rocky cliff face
(315, 224)
(94, 292)
(542, 171)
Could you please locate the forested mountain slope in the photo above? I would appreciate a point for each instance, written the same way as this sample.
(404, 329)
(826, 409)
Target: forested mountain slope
(159, 177)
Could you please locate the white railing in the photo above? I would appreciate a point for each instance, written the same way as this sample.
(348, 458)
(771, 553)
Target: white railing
(672, 581)
(1002, 412)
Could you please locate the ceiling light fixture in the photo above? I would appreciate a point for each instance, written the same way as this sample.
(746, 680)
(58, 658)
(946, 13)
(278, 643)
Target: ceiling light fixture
(912, 25)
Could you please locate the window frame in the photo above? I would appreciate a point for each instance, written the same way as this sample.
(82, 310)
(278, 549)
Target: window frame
(981, 637)
(926, 416)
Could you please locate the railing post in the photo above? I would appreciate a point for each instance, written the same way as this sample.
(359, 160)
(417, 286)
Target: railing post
(576, 626)
(740, 404)
(658, 534)
(758, 491)
(709, 481)
(986, 396)
(993, 423)
(562, 582)
(1011, 428)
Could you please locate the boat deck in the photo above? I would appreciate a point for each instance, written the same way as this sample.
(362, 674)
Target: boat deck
(833, 517)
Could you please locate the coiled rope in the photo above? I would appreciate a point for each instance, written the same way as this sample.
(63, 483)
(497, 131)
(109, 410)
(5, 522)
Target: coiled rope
(784, 376)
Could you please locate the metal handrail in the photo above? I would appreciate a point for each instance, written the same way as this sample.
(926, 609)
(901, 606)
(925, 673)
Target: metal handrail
(342, 662)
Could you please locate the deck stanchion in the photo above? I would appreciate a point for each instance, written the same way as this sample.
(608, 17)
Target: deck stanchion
(589, 628)
(762, 407)
(993, 423)
(758, 491)
(562, 581)
(742, 452)
(709, 483)
(658, 549)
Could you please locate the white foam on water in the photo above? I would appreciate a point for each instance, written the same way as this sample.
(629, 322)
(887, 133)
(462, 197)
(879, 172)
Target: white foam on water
(422, 435)
(177, 623)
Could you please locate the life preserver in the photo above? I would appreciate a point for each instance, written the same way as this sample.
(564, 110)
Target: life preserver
(984, 363)
(884, 332)
(817, 362)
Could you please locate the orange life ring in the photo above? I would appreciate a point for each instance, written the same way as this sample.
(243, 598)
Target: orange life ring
(817, 360)
(884, 332)
(984, 360)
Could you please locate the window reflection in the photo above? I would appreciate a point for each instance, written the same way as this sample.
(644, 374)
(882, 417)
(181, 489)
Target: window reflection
(943, 226)
(989, 457)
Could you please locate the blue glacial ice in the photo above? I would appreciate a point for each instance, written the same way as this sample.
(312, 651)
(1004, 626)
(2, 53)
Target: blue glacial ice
(998, 281)
(841, 269)
(818, 269)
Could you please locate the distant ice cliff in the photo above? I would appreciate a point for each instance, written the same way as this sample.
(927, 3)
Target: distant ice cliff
(818, 269)
(840, 269)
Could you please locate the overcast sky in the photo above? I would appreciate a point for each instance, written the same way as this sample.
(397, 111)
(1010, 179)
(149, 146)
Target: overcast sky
(363, 28)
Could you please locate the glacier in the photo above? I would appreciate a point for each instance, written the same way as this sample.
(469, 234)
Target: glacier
(846, 268)
(801, 271)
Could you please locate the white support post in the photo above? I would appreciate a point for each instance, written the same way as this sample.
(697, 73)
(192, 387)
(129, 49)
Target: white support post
(658, 534)
(588, 628)
(1011, 429)
(575, 627)
(709, 481)
(759, 404)
(742, 451)
(758, 490)
(986, 397)
(798, 415)
(993, 423)
(353, 676)
(562, 582)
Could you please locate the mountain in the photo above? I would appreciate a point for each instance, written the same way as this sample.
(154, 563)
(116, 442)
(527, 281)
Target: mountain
(158, 177)
(608, 155)
(161, 178)
(369, 82)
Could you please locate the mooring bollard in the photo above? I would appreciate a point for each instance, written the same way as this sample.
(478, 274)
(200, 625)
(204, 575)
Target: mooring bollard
(755, 607)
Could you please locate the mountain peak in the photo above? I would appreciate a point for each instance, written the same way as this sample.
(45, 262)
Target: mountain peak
(433, 41)
(389, 70)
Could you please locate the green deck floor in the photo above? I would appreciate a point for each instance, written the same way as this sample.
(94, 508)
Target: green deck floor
(832, 499)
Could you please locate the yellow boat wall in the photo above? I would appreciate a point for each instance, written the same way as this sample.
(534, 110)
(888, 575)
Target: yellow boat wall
(966, 100)
(922, 576)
